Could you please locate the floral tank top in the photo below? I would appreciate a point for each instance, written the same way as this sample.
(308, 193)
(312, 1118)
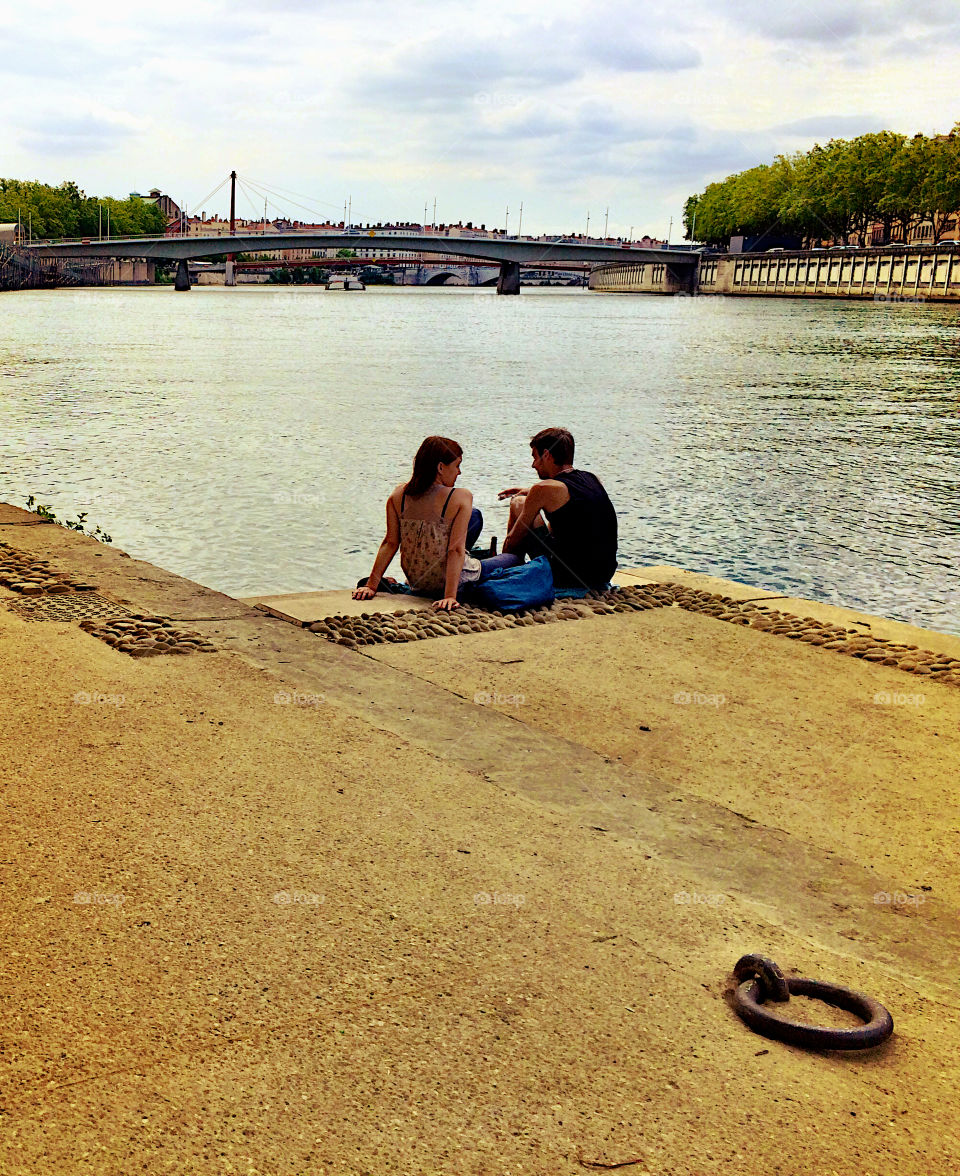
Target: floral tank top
(423, 552)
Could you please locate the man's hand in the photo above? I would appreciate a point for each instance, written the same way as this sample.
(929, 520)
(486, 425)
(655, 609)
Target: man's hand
(363, 593)
(512, 491)
(447, 604)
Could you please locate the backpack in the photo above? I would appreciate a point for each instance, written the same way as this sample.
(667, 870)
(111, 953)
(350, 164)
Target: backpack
(528, 585)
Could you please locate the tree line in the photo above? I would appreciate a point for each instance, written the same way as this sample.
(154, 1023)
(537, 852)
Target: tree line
(835, 191)
(65, 211)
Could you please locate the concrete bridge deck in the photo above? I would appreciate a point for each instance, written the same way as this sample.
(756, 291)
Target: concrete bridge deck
(508, 253)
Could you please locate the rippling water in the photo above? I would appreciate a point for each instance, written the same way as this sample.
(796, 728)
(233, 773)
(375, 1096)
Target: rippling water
(248, 438)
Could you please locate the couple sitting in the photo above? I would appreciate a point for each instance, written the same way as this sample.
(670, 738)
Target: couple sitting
(434, 525)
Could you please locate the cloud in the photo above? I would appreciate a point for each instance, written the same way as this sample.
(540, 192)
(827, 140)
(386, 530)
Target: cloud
(74, 135)
(829, 126)
(524, 59)
(25, 53)
(852, 25)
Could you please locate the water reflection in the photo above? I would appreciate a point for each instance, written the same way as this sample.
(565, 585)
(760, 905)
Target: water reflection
(248, 438)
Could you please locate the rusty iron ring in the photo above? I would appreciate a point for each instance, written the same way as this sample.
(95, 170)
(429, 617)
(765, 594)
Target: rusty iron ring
(773, 984)
(748, 1001)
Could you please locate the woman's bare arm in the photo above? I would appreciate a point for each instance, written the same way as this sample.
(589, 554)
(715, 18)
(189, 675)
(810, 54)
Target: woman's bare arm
(456, 551)
(388, 549)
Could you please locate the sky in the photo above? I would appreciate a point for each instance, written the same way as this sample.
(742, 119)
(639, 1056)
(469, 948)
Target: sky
(570, 108)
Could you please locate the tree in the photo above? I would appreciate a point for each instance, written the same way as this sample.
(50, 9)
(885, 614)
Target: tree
(834, 190)
(64, 211)
(939, 187)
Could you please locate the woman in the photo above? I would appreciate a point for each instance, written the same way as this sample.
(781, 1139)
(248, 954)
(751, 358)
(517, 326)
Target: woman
(432, 524)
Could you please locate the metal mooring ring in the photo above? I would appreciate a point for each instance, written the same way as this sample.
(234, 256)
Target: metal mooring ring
(748, 1001)
(773, 984)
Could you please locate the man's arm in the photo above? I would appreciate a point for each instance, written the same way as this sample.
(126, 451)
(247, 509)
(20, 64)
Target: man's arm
(546, 495)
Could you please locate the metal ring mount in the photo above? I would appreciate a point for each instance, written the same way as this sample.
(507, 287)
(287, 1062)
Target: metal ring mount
(773, 983)
(748, 1001)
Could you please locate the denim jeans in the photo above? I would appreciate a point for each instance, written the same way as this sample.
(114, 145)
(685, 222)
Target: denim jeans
(474, 527)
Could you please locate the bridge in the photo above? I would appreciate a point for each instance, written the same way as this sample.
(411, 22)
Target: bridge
(509, 253)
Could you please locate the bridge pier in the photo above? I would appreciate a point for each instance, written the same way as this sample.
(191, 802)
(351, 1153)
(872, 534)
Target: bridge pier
(509, 280)
(182, 280)
(230, 278)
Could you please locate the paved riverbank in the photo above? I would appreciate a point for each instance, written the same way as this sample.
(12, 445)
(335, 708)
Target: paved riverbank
(466, 905)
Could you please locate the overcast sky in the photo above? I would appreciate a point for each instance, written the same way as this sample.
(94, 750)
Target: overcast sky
(566, 107)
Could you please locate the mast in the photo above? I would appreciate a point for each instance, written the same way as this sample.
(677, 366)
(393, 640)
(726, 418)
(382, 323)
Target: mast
(230, 277)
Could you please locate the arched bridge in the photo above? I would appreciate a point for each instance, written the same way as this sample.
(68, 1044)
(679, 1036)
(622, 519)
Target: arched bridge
(509, 254)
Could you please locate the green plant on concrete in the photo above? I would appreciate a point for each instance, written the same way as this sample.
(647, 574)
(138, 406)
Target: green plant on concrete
(77, 524)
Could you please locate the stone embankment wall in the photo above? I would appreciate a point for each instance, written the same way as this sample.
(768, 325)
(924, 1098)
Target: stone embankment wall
(643, 277)
(928, 273)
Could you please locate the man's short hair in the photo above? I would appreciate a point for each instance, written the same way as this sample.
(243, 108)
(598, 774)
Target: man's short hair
(557, 442)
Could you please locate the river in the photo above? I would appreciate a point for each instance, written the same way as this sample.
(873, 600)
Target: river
(248, 438)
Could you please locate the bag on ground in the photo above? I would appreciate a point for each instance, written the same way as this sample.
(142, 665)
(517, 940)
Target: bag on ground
(528, 585)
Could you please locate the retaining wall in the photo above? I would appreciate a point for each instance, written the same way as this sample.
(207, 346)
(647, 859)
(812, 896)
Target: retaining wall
(929, 273)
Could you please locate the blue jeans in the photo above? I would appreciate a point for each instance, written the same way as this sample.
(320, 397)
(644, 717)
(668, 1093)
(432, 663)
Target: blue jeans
(474, 527)
(503, 560)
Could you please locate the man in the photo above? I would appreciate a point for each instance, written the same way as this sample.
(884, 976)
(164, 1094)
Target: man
(580, 534)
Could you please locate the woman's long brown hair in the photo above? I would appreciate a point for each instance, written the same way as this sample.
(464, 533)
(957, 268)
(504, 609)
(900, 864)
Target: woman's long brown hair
(432, 451)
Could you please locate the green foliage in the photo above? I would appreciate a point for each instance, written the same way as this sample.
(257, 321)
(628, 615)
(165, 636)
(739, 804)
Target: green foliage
(76, 524)
(346, 253)
(65, 211)
(834, 190)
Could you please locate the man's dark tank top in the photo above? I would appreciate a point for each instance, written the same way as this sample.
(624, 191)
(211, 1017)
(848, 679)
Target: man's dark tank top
(583, 531)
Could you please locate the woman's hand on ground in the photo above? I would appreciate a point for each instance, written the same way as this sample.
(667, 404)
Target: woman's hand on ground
(363, 593)
(448, 604)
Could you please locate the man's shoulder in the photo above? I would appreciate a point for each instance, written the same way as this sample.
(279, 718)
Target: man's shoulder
(591, 478)
(548, 487)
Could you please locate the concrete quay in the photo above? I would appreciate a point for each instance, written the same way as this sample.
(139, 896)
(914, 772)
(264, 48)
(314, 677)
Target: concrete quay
(470, 904)
(916, 273)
